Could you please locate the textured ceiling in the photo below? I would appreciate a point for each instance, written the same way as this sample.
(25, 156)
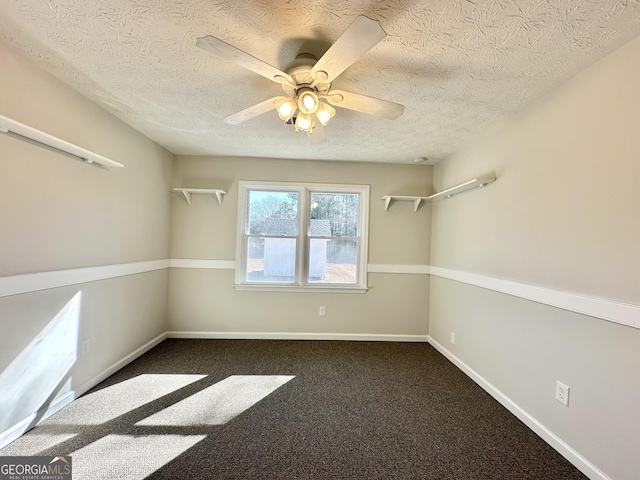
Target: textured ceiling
(457, 65)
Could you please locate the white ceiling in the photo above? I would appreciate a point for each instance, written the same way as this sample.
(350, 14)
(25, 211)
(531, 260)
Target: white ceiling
(457, 65)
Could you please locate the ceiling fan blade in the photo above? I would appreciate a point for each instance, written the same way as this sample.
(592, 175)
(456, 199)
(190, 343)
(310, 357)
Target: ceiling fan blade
(362, 35)
(364, 104)
(224, 50)
(253, 111)
(317, 136)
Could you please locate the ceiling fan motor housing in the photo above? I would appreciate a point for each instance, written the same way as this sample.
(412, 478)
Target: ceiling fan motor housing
(300, 71)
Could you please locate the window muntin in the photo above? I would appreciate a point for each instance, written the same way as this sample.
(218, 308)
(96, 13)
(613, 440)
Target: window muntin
(303, 235)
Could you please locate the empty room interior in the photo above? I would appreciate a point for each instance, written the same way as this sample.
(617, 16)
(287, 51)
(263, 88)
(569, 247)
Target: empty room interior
(321, 239)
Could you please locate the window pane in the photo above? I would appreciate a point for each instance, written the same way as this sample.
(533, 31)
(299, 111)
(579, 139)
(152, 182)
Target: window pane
(333, 261)
(334, 215)
(302, 235)
(271, 259)
(273, 213)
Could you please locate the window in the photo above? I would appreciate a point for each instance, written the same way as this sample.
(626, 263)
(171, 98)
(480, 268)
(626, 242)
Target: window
(305, 236)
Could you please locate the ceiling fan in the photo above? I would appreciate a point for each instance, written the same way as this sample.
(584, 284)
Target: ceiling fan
(306, 81)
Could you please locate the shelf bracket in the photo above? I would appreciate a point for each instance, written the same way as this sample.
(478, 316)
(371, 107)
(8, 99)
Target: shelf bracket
(187, 196)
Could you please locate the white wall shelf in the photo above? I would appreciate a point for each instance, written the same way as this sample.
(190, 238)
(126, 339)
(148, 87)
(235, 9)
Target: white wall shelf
(404, 198)
(448, 193)
(7, 125)
(463, 187)
(188, 192)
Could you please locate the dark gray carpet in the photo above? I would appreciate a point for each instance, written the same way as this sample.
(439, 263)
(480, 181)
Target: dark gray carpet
(361, 410)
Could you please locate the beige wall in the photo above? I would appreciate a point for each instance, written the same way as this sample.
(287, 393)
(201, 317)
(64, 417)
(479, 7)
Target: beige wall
(205, 300)
(564, 211)
(58, 213)
(563, 214)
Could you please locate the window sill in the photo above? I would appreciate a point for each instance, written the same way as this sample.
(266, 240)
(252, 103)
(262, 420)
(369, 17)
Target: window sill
(299, 289)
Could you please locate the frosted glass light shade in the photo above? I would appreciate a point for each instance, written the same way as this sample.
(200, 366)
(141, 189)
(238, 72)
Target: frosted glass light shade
(286, 108)
(304, 122)
(325, 113)
(307, 101)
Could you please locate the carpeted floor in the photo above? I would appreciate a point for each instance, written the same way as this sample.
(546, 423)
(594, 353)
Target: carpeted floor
(310, 410)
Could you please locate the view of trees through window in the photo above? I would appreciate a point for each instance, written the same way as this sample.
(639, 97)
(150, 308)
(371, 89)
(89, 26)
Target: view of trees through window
(264, 205)
(332, 223)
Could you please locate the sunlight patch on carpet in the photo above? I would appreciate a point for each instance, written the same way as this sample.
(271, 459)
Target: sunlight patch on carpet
(219, 403)
(34, 443)
(129, 457)
(111, 402)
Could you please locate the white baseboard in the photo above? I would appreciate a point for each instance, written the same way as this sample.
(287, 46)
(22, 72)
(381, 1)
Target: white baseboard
(543, 432)
(363, 337)
(16, 431)
(58, 403)
(89, 384)
(21, 427)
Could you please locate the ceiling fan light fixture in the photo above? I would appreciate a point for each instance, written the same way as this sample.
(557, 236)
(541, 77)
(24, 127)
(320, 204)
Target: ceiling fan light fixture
(307, 79)
(304, 122)
(325, 113)
(307, 101)
(286, 108)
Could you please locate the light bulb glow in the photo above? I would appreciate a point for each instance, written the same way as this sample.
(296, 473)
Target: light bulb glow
(286, 108)
(307, 101)
(304, 122)
(325, 113)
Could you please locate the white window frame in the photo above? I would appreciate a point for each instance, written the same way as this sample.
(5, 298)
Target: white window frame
(304, 191)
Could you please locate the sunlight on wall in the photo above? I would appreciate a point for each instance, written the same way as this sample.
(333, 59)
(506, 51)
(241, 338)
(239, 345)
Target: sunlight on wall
(219, 403)
(111, 402)
(130, 457)
(37, 372)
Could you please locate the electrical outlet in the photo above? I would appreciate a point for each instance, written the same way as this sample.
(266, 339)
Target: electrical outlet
(453, 338)
(323, 311)
(85, 347)
(562, 393)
